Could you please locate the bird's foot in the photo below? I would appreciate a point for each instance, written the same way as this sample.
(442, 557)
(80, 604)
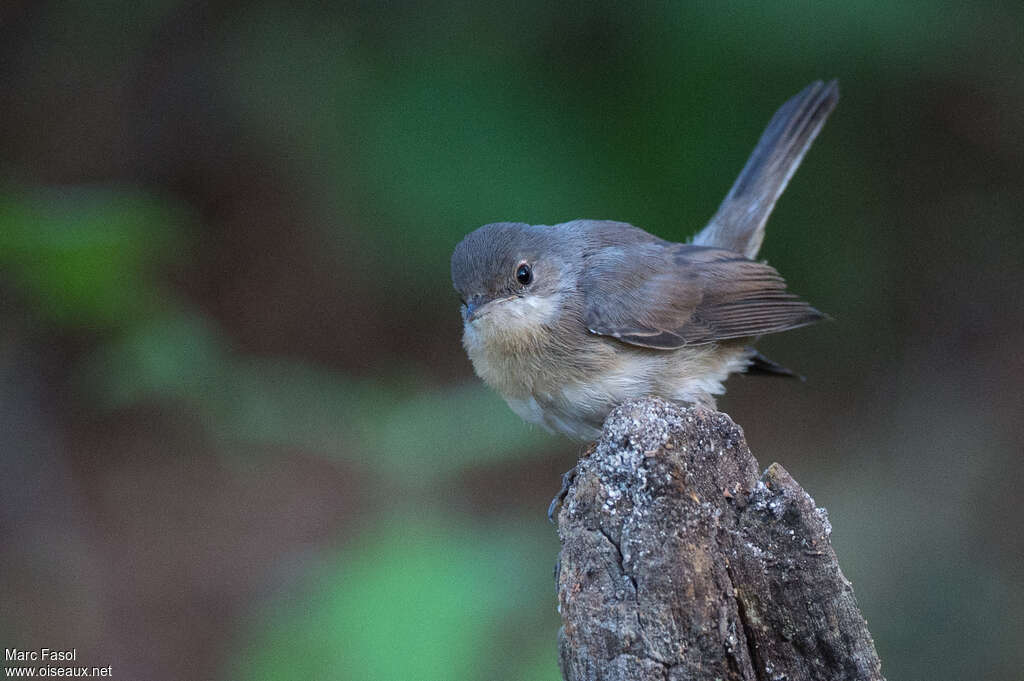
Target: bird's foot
(567, 479)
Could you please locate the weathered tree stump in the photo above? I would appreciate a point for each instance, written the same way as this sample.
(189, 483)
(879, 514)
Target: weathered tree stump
(679, 561)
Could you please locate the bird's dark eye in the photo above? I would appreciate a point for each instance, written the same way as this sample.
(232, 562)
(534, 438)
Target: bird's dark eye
(524, 274)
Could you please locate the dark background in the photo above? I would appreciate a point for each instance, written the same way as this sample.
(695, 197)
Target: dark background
(239, 438)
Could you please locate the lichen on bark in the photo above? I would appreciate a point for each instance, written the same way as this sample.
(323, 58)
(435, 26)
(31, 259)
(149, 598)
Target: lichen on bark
(679, 561)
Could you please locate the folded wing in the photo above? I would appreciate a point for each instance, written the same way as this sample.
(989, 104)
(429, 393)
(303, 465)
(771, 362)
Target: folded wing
(665, 296)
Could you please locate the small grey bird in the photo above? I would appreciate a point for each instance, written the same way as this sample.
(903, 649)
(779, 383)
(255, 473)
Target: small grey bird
(568, 321)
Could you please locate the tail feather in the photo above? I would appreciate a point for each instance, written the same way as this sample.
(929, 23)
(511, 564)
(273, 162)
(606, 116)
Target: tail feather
(739, 223)
(759, 364)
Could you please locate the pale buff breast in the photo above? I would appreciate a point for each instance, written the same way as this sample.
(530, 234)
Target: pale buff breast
(558, 390)
(579, 408)
(511, 346)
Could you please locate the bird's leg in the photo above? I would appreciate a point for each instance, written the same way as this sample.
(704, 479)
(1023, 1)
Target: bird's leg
(567, 479)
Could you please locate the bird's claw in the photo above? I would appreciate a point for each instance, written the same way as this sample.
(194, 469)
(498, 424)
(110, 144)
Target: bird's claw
(567, 479)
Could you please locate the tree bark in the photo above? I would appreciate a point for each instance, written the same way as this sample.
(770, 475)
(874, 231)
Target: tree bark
(679, 561)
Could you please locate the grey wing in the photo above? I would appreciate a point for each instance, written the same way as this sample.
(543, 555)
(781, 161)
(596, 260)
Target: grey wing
(739, 223)
(665, 296)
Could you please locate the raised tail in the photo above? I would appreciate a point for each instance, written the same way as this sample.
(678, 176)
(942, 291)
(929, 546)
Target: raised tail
(739, 223)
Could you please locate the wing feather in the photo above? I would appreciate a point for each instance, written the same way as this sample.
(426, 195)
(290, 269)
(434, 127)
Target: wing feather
(665, 296)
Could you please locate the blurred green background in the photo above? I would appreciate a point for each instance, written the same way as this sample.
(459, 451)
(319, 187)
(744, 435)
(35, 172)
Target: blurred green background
(239, 438)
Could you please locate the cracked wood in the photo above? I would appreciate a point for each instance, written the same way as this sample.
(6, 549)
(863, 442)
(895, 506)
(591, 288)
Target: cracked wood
(679, 561)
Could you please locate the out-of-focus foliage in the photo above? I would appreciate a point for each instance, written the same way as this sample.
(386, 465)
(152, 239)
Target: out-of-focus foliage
(420, 600)
(238, 435)
(85, 255)
(387, 422)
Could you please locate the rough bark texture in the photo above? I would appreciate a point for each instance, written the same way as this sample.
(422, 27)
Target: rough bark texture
(679, 561)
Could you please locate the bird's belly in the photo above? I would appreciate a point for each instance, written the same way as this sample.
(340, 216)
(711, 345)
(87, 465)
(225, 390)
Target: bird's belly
(578, 408)
(566, 395)
(557, 416)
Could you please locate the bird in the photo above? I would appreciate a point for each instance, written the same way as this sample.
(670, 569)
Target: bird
(568, 321)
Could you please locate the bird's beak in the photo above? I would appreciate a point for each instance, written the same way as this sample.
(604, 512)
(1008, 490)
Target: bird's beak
(477, 306)
(472, 308)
